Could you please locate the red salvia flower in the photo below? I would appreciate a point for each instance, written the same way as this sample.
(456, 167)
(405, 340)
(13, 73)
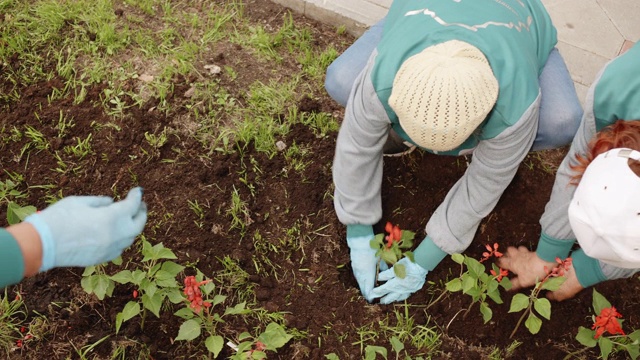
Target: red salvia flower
(492, 251)
(502, 274)
(395, 234)
(607, 322)
(193, 293)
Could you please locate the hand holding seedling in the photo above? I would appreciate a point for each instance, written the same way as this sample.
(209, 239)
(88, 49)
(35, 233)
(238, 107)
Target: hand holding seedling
(88, 230)
(399, 288)
(364, 261)
(530, 268)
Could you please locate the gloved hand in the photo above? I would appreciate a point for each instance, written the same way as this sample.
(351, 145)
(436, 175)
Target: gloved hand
(397, 289)
(363, 257)
(88, 230)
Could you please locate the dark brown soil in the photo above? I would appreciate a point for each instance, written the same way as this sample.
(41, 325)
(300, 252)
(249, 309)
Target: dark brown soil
(308, 278)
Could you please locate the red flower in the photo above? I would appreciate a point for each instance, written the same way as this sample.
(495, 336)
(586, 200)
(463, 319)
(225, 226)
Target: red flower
(607, 322)
(395, 234)
(502, 274)
(193, 293)
(135, 294)
(491, 251)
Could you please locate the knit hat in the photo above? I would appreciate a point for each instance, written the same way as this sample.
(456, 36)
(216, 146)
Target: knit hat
(605, 210)
(442, 94)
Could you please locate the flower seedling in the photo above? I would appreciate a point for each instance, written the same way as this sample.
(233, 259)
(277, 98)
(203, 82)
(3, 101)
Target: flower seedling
(152, 285)
(608, 321)
(479, 284)
(199, 315)
(273, 338)
(551, 282)
(391, 247)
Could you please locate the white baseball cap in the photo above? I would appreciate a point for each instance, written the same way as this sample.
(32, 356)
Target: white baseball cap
(605, 210)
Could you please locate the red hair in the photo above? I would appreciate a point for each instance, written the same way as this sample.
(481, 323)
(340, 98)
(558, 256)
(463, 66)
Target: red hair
(621, 134)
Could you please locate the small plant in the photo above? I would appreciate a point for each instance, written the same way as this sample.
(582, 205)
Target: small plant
(11, 312)
(479, 284)
(153, 284)
(608, 320)
(551, 282)
(390, 248)
(271, 339)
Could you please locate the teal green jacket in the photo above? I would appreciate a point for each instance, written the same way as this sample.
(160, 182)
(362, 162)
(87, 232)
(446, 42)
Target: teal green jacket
(11, 260)
(515, 36)
(614, 95)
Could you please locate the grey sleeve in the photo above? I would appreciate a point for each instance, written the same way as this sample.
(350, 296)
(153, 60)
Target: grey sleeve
(357, 164)
(494, 164)
(555, 219)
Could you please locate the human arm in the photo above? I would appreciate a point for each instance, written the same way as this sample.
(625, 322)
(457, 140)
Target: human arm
(357, 175)
(75, 231)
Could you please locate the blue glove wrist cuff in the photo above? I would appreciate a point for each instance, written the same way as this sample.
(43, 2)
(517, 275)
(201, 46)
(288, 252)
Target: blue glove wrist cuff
(358, 230)
(587, 269)
(550, 248)
(46, 238)
(428, 255)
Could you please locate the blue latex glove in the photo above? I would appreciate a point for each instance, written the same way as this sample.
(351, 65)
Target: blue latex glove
(397, 289)
(363, 257)
(88, 230)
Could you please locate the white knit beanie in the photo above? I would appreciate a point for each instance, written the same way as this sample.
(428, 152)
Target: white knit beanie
(442, 94)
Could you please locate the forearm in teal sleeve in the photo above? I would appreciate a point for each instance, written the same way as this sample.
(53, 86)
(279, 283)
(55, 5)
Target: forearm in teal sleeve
(587, 269)
(428, 255)
(11, 260)
(549, 248)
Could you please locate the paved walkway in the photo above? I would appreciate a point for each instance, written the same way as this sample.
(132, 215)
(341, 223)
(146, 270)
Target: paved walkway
(592, 32)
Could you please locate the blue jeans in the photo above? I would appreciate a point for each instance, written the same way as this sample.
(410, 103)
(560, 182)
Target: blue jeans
(560, 109)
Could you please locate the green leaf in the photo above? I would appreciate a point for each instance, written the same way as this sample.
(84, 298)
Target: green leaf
(17, 213)
(274, 336)
(475, 267)
(185, 313)
(149, 288)
(519, 303)
(218, 299)
(554, 283)
(189, 330)
(599, 302)
(400, 271)
(123, 277)
(486, 312)
(332, 356)
(586, 337)
(634, 351)
(370, 352)
(103, 286)
(543, 307)
(166, 279)
(468, 283)
(131, 309)
(239, 309)
(410, 256)
(153, 303)
(459, 258)
(174, 295)
(214, 344)
(89, 270)
(533, 323)
(454, 285)
(172, 268)
(495, 296)
(506, 283)
(606, 346)
(396, 344)
(388, 256)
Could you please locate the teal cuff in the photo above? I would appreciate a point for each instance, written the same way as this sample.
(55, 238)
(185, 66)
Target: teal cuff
(357, 230)
(11, 260)
(550, 248)
(587, 269)
(428, 255)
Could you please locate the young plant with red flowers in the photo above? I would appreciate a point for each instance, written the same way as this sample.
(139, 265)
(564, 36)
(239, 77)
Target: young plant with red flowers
(199, 315)
(392, 247)
(477, 283)
(606, 331)
(542, 306)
